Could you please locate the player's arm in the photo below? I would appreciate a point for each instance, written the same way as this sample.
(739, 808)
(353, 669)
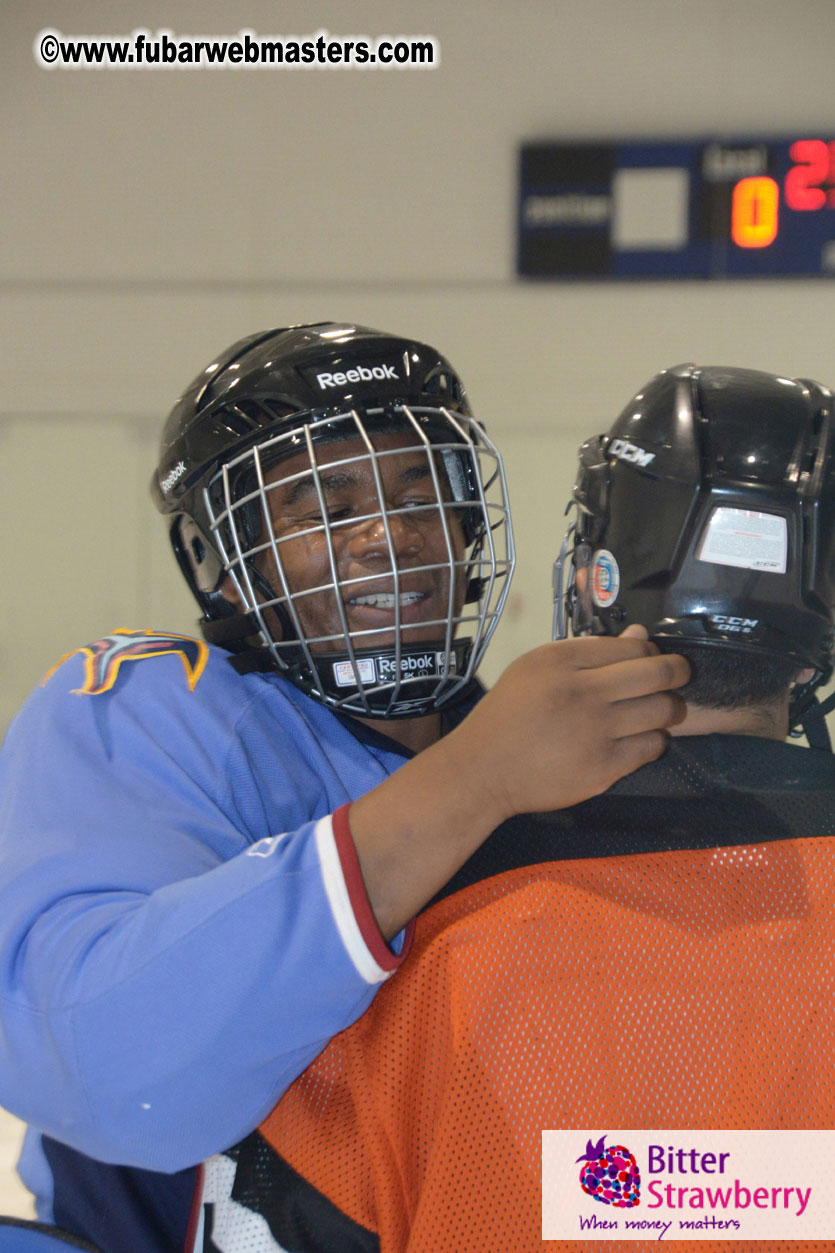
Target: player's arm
(163, 978)
(562, 724)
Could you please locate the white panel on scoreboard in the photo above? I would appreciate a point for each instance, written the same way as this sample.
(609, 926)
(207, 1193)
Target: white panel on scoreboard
(650, 208)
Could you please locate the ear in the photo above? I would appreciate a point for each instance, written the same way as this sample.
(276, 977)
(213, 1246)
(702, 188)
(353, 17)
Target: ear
(803, 676)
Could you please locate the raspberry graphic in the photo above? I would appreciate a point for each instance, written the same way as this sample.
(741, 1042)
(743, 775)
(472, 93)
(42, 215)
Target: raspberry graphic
(610, 1175)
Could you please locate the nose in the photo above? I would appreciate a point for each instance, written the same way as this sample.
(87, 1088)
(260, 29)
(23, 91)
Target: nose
(368, 539)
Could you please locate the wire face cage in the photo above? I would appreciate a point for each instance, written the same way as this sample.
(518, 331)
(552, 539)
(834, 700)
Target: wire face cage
(374, 551)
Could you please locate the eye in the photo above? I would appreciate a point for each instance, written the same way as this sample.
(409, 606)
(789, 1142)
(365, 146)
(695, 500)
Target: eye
(336, 509)
(419, 502)
(286, 526)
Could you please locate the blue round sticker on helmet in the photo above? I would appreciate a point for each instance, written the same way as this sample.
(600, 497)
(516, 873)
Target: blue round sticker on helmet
(605, 579)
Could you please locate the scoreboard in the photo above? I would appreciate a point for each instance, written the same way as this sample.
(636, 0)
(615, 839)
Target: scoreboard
(715, 208)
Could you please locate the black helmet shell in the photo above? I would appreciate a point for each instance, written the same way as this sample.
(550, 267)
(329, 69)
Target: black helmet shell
(278, 375)
(663, 501)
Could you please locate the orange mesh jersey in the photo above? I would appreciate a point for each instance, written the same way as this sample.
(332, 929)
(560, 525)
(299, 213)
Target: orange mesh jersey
(660, 957)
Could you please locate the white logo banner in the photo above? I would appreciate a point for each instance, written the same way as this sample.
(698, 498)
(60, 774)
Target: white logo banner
(687, 1185)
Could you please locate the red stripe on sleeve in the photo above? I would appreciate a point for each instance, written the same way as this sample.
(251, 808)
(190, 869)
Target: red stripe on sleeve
(364, 914)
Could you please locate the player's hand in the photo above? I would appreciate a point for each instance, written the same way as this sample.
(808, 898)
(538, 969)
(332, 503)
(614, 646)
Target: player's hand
(562, 724)
(569, 718)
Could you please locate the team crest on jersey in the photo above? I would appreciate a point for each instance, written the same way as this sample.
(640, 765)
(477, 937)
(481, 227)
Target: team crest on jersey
(105, 656)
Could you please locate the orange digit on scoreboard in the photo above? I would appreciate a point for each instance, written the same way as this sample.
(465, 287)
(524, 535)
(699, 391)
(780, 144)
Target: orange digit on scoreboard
(754, 212)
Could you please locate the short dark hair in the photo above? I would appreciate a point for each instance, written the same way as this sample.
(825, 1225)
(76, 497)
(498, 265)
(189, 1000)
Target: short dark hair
(724, 678)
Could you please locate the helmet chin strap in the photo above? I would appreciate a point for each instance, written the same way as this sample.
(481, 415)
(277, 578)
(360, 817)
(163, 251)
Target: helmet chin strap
(231, 634)
(421, 669)
(562, 582)
(384, 682)
(231, 628)
(807, 714)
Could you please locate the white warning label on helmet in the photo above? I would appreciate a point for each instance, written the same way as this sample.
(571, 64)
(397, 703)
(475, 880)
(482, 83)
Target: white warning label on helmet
(346, 676)
(741, 537)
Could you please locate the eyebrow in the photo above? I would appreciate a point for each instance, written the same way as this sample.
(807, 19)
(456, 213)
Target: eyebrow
(339, 479)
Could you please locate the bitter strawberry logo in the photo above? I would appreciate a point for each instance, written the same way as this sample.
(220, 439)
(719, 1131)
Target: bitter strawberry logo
(610, 1175)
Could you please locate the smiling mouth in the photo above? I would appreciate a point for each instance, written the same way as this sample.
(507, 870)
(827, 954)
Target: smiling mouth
(388, 601)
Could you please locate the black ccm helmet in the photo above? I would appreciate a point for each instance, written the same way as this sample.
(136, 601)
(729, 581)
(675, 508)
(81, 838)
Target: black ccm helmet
(707, 514)
(299, 390)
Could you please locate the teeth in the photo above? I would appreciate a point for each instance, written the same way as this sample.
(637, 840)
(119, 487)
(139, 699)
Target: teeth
(387, 600)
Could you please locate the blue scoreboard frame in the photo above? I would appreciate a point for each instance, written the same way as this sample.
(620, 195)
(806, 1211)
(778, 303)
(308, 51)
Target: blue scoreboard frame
(708, 208)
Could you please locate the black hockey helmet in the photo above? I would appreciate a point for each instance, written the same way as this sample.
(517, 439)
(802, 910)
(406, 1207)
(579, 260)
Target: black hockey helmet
(291, 391)
(707, 514)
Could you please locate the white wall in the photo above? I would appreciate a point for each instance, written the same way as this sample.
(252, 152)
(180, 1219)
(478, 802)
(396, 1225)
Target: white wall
(151, 218)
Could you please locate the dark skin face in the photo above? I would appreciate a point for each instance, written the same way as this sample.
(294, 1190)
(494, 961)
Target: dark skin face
(360, 545)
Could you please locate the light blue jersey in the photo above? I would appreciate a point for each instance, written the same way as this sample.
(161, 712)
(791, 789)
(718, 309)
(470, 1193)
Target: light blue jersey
(181, 929)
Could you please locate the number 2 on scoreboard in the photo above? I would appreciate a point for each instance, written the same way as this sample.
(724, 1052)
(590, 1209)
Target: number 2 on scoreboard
(814, 167)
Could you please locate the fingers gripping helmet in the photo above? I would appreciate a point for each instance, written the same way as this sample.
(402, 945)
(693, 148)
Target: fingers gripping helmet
(707, 514)
(280, 417)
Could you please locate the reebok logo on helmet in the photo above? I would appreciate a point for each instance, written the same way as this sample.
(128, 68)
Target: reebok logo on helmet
(358, 374)
(172, 477)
